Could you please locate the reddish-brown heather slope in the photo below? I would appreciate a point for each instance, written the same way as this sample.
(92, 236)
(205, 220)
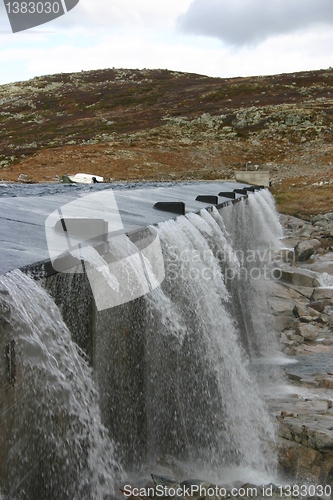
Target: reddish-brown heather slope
(164, 125)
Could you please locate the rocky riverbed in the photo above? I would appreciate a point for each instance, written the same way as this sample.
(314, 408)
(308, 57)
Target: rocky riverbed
(302, 303)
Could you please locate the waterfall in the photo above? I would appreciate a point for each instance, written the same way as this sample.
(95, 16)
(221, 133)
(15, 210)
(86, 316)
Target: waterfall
(173, 368)
(203, 404)
(255, 232)
(63, 446)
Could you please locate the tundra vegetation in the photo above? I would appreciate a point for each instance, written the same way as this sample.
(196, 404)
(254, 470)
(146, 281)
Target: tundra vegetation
(134, 125)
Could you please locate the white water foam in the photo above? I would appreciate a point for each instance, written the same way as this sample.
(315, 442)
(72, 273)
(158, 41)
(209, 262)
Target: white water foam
(217, 415)
(69, 454)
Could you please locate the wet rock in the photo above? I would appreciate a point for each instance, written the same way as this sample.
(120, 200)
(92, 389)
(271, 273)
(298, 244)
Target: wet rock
(307, 331)
(285, 321)
(165, 481)
(305, 463)
(326, 382)
(305, 249)
(304, 430)
(284, 339)
(280, 305)
(299, 277)
(285, 255)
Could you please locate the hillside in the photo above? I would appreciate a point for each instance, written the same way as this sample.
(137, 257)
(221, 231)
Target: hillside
(164, 125)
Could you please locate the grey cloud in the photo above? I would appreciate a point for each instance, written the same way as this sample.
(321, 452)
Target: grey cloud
(241, 22)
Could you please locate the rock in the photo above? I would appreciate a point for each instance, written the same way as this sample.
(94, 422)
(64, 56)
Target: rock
(280, 305)
(321, 293)
(304, 463)
(330, 321)
(323, 319)
(284, 339)
(296, 339)
(304, 249)
(319, 305)
(300, 310)
(285, 255)
(315, 242)
(287, 413)
(324, 225)
(326, 382)
(306, 319)
(318, 218)
(299, 277)
(312, 312)
(284, 321)
(308, 332)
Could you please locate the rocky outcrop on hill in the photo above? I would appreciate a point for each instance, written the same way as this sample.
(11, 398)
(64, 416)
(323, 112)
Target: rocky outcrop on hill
(164, 125)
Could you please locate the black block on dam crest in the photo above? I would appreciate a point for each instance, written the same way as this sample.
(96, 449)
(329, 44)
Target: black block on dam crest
(22, 216)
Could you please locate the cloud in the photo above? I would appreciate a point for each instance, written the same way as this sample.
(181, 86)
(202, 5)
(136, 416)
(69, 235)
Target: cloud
(132, 34)
(249, 22)
(191, 54)
(108, 15)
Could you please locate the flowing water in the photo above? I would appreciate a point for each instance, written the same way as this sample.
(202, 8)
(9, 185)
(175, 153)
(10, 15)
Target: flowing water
(186, 385)
(64, 447)
(216, 415)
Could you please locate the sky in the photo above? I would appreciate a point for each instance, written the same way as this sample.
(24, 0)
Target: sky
(224, 38)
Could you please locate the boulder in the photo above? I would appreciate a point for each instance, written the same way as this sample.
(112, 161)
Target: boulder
(323, 319)
(321, 293)
(300, 310)
(299, 277)
(284, 321)
(304, 249)
(285, 255)
(319, 305)
(318, 218)
(284, 339)
(312, 312)
(307, 331)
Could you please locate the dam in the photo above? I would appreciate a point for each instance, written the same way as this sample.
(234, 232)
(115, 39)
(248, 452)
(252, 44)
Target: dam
(133, 323)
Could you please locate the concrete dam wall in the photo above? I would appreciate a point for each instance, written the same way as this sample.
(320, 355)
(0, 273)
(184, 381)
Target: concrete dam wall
(127, 341)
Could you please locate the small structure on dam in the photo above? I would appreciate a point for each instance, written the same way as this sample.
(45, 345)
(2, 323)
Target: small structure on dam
(132, 343)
